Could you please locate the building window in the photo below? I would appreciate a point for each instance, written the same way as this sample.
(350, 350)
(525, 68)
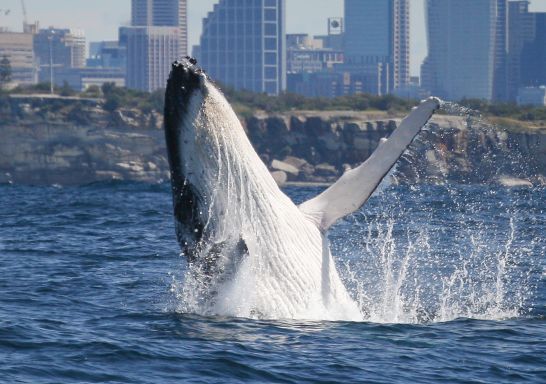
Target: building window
(271, 87)
(270, 29)
(271, 44)
(271, 58)
(271, 73)
(270, 15)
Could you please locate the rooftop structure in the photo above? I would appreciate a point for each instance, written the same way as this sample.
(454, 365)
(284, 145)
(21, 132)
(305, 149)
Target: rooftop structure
(107, 54)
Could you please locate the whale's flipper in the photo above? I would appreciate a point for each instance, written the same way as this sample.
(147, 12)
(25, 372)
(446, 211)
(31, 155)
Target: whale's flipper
(354, 188)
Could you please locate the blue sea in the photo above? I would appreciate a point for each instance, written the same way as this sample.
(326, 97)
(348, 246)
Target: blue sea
(451, 279)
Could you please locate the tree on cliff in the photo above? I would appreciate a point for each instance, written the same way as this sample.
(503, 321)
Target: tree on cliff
(5, 71)
(112, 96)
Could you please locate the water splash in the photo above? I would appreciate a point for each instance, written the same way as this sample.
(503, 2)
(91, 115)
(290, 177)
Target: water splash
(439, 253)
(416, 276)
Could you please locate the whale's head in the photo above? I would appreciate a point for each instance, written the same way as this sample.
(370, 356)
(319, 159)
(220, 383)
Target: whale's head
(186, 81)
(201, 129)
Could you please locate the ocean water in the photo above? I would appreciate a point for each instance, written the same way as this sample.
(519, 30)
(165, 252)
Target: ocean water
(451, 281)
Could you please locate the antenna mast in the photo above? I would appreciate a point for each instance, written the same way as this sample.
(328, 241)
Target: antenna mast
(27, 28)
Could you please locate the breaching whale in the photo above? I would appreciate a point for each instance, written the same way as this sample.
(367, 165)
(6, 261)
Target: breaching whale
(252, 252)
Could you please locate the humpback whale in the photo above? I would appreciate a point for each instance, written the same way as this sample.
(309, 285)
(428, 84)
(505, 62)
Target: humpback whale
(251, 251)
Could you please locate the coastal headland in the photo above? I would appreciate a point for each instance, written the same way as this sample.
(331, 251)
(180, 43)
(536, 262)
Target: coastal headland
(70, 141)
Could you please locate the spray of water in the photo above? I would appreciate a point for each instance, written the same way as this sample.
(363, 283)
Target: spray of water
(413, 276)
(437, 253)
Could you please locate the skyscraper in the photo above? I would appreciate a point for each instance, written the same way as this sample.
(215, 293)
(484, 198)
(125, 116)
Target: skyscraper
(500, 69)
(526, 47)
(243, 44)
(58, 49)
(63, 47)
(466, 49)
(150, 52)
(377, 34)
(157, 37)
(18, 49)
(162, 13)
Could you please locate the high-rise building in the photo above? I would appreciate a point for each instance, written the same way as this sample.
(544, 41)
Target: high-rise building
(243, 44)
(533, 56)
(526, 47)
(521, 27)
(150, 52)
(107, 54)
(466, 40)
(57, 49)
(63, 47)
(377, 35)
(500, 69)
(18, 49)
(158, 36)
(162, 13)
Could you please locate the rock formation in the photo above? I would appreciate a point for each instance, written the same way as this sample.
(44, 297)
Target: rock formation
(67, 141)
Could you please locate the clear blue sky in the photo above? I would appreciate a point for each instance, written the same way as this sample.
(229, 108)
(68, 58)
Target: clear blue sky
(101, 18)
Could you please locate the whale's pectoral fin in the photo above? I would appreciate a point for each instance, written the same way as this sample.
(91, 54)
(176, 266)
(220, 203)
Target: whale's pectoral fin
(354, 188)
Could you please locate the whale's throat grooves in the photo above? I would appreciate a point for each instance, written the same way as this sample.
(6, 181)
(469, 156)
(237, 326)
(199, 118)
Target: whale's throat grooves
(278, 272)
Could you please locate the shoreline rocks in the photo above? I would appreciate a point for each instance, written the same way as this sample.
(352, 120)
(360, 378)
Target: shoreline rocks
(67, 142)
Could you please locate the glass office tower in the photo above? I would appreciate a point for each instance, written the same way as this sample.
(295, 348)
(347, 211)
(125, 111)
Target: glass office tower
(377, 33)
(243, 45)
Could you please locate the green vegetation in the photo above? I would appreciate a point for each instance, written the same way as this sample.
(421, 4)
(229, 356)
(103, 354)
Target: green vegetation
(247, 103)
(116, 97)
(40, 88)
(292, 102)
(5, 71)
(507, 110)
(93, 92)
(66, 90)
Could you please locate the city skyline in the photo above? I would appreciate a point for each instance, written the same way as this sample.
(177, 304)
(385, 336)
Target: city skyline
(102, 18)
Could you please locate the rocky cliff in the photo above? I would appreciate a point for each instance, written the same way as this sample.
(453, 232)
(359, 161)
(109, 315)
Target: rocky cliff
(74, 141)
(319, 146)
(67, 141)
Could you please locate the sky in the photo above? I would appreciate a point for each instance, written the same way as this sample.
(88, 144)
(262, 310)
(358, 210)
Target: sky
(100, 19)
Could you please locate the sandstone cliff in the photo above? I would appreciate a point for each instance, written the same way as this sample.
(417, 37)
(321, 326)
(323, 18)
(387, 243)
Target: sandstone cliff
(64, 141)
(73, 141)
